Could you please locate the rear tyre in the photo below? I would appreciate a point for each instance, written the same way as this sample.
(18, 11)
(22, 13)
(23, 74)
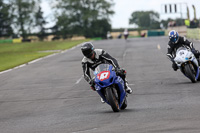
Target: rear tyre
(190, 72)
(112, 99)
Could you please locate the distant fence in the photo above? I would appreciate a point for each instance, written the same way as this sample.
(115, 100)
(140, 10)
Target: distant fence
(155, 33)
(131, 33)
(6, 41)
(193, 33)
(142, 33)
(17, 40)
(35, 39)
(11, 41)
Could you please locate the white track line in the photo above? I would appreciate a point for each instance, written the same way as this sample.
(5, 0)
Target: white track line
(125, 53)
(79, 80)
(85, 131)
(158, 46)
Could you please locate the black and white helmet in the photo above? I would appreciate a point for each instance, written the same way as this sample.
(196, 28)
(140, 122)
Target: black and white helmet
(87, 49)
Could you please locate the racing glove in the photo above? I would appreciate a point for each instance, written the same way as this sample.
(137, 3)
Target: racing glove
(120, 72)
(92, 84)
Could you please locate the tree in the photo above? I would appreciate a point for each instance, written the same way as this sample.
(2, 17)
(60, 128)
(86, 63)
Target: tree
(145, 19)
(5, 20)
(40, 22)
(23, 12)
(78, 16)
(99, 28)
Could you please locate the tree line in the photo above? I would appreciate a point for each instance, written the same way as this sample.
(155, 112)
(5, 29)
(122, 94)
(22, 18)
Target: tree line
(73, 17)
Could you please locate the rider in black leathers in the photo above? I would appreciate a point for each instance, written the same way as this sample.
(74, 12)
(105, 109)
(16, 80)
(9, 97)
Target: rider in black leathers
(176, 42)
(93, 57)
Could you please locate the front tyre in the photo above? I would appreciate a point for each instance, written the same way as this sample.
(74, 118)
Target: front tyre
(198, 78)
(124, 105)
(112, 99)
(190, 72)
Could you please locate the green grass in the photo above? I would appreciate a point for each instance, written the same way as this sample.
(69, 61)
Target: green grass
(12, 55)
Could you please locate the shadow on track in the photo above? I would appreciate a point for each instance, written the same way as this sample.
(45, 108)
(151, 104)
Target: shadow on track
(184, 83)
(121, 111)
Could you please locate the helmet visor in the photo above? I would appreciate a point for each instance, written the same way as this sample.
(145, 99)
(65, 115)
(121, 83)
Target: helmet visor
(173, 39)
(88, 53)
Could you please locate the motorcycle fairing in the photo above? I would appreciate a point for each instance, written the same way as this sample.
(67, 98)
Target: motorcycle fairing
(112, 79)
(183, 57)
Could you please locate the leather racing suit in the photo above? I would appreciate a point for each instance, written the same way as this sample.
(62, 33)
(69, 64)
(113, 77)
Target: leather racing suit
(101, 57)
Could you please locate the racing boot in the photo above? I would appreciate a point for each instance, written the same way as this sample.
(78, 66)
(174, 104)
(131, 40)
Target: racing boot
(127, 88)
(174, 66)
(102, 101)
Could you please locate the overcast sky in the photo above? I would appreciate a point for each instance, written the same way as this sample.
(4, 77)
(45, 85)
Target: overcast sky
(124, 8)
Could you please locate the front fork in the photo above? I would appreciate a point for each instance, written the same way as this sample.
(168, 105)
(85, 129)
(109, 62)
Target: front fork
(102, 93)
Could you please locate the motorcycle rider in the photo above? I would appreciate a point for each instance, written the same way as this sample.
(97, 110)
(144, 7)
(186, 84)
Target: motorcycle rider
(93, 57)
(176, 41)
(126, 33)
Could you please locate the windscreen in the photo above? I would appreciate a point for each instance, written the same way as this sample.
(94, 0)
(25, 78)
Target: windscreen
(101, 67)
(181, 48)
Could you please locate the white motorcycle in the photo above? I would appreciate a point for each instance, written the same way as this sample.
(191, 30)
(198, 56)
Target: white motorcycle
(187, 63)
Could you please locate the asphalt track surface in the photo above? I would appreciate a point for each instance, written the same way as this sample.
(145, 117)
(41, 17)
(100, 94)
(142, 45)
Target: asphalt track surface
(51, 96)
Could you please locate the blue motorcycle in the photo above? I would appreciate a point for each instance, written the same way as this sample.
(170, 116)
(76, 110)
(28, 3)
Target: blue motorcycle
(110, 87)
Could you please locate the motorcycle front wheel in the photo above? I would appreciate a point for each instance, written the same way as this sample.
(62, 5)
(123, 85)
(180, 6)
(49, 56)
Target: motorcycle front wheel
(124, 105)
(190, 72)
(112, 99)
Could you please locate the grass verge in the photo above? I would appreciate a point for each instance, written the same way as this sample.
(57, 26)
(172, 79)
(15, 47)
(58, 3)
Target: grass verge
(12, 55)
